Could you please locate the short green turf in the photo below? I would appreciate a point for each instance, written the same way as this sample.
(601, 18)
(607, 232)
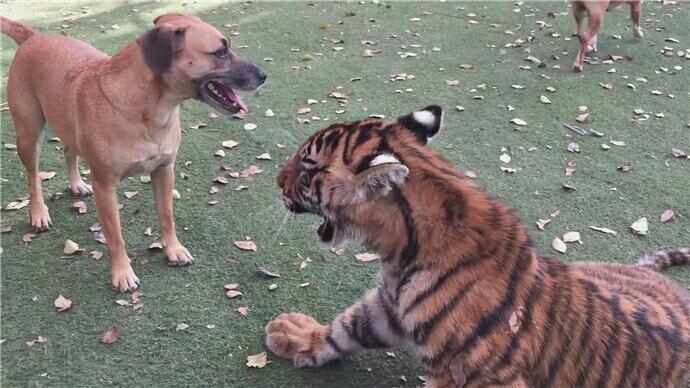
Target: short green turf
(150, 352)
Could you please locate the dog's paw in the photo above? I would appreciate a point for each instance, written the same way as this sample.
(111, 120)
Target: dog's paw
(40, 218)
(178, 255)
(123, 277)
(298, 337)
(80, 188)
(637, 32)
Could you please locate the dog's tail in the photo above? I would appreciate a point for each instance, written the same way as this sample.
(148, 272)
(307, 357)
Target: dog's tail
(660, 260)
(16, 30)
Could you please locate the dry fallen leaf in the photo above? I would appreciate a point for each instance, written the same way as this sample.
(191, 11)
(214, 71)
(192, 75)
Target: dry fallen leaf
(243, 311)
(604, 230)
(156, 245)
(268, 272)
(571, 237)
(131, 194)
(27, 238)
(38, 340)
(111, 336)
(233, 294)
(544, 100)
(640, 227)
(62, 303)
(250, 171)
(515, 320)
(365, 257)
(80, 207)
(46, 175)
(518, 121)
(666, 216)
(230, 144)
(96, 255)
(16, 205)
(625, 167)
(264, 156)
(558, 245)
(181, 326)
(257, 360)
(70, 247)
(573, 147)
(541, 224)
(232, 286)
(245, 245)
(269, 113)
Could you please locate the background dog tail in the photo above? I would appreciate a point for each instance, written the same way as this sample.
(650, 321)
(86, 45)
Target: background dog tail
(16, 30)
(660, 260)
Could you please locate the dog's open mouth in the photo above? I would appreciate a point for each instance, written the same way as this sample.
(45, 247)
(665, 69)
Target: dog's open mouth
(222, 97)
(326, 231)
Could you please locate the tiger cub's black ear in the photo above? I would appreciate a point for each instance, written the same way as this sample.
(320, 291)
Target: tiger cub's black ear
(425, 123)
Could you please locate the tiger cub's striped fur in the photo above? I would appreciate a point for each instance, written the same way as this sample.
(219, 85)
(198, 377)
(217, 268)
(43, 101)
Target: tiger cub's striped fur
(462, 281)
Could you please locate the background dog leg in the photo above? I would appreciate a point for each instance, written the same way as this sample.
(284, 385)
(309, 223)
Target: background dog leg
(123, 277)
(76, 185)
(163, 181)
(635, 12)
(29, 136)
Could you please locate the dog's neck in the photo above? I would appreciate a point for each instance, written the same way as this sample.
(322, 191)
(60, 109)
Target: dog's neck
(146, 98)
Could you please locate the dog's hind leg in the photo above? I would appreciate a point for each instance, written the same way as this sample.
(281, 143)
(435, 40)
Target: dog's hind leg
(76, 184)
(594, 22)
(635, 12)
(29, 121)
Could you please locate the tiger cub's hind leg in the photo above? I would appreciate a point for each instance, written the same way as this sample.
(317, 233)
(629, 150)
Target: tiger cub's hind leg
(366, 324)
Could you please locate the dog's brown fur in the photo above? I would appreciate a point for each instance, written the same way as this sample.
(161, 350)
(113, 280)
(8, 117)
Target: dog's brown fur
(120, 113)
(595, 10)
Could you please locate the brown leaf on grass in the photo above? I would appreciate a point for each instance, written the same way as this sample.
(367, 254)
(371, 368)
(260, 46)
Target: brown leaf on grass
(230, 144)
(573, 147)
(245, 245)
(100, 237)
(80, 207)
(666, 216)
(541, 224)
(604, 230)
(366, 257)
(264, 156)
(558, 245)
(71, 247)
(575, 129)
(232, 286)
(678, 153)
(221, 180)
(339, 95)
(38, 340)
(96, 255)
(570, 237)
(136, 296)
(233, 294)
(625, 167)
(62, 303)
(95, 227)
(181, 326)
(27, 238)
(243, 311)
(570, 169)
(518, 121)
(131, 194)
(640, 227)
(111, 335)
(46, 175)
(16, 205)
(5, 228)
(156, 245)
(257, 360)
(268, 272)
(250, 171)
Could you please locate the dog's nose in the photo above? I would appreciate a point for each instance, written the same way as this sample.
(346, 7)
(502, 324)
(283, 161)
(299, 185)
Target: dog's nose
(262, 76)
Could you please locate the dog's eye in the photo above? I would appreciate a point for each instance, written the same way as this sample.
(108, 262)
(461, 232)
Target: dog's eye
(222, 53)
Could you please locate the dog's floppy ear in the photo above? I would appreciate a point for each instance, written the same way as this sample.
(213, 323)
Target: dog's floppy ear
(159, 46)
(425, 123)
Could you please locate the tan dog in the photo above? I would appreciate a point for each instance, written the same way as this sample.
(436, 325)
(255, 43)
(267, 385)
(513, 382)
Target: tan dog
(594, 10)
(120, 113)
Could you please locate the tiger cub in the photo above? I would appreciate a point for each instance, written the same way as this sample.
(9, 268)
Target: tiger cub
(461, 280)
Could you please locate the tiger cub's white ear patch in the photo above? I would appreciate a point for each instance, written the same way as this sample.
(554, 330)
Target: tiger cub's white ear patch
(425, 123)
(384, 159)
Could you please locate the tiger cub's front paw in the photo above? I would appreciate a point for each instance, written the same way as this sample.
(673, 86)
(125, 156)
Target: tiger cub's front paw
(300, 338)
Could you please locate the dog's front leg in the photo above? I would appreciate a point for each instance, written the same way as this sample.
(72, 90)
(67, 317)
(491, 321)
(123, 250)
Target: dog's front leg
(123, 277)
(163, 181)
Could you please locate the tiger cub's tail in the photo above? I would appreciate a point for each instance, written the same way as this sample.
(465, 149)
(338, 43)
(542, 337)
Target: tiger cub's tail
(660, 260)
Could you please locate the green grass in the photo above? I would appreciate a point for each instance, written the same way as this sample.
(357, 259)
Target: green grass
(147, 355)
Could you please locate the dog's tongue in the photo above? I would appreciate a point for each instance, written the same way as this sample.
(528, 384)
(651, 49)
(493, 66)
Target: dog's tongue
(235, 99)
